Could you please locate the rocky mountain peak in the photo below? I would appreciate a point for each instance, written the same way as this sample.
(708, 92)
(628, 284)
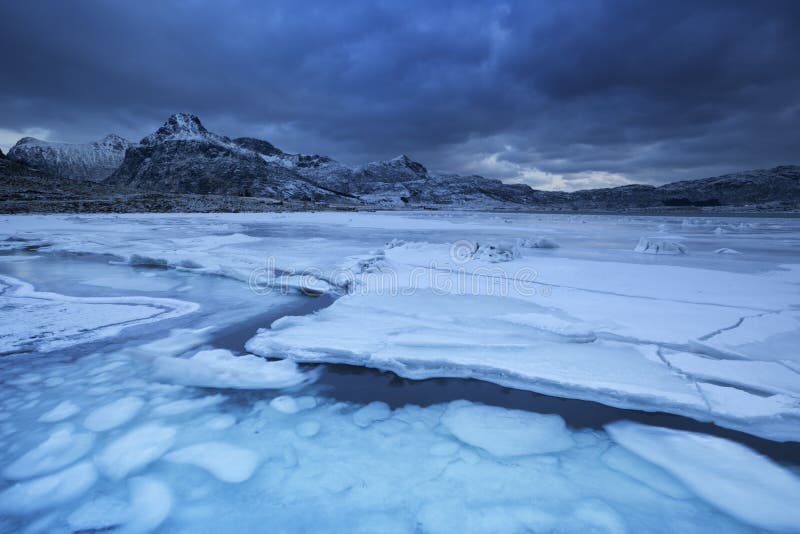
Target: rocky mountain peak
(28, 141)
(179, 127)
(406, 162)
(2, 156)
(114, 141)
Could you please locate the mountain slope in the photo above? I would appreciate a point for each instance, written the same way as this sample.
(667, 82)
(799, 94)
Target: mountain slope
(183, 157)
(91, 161)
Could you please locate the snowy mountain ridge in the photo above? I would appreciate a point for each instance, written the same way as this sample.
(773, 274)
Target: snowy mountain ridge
(182, 156)
(91, 161)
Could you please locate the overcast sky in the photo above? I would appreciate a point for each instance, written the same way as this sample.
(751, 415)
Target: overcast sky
(556, 94)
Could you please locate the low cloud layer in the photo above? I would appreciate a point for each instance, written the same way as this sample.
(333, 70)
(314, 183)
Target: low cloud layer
(559, 95)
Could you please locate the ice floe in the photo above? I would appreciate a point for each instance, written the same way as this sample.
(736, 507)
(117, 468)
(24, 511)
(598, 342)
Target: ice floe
(506, 433)
(220, 368)
(113, 414)
(227, 462)
(728, 475)
(48, 491)
(63, 447)
(135, 449)
(63, 410)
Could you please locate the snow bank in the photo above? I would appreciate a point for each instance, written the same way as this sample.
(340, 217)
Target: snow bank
(727, 475)
(219, 368)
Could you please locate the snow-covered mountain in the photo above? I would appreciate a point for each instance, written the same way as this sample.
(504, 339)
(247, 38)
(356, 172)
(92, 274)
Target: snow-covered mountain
(91, 161)
(184, 157)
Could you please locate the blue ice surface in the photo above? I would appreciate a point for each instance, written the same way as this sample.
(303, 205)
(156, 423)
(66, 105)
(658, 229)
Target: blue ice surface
(355, 453)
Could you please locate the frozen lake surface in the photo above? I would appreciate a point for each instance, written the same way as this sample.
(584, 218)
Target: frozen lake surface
(459, 372)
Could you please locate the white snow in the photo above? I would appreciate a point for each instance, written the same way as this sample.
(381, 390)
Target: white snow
(114, 414)
(227, 462)
(506, 433)
(219, 368)
(728, 475)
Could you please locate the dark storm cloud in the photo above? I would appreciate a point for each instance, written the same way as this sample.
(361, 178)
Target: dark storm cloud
(556, 94)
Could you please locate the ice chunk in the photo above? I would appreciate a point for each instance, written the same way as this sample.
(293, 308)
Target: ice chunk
(372, 412)
(221, 422)
(226, 462)
(729, 476)
(62, 448)
(655, 478)
(219, 368)
(506, 433)
(114, 414)
(539, 242)
(63, 410)
(289, 405)
(47, 492)
(151, 502)
(649, 245)
(182, 406)
(495, 252)
(726, 251)
(135, 450)
(307, 429)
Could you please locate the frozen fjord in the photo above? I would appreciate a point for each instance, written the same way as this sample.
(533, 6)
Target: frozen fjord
(604, 323)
